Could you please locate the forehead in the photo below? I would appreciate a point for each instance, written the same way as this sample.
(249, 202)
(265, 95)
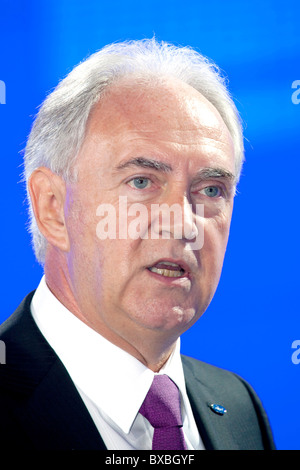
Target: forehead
(167, 101)
(165, 112)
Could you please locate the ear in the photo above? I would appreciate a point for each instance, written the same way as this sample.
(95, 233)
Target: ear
(47, 193)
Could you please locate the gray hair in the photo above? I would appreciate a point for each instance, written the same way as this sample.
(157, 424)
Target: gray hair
(59, 128)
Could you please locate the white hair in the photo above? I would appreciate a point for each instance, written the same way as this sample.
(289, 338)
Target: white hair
(59, 128)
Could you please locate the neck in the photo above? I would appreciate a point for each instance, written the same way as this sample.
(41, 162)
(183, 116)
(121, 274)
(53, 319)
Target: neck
(151, 347)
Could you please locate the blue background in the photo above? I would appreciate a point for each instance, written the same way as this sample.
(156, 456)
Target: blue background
(254, 318)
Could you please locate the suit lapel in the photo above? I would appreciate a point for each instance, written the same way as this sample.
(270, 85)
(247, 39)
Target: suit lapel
(48, 406)
(56, 417)
(214, 429)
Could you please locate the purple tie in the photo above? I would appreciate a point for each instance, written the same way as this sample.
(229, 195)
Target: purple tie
(161, 408)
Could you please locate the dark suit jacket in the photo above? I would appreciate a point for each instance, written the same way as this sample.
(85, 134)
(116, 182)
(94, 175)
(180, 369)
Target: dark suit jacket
(40, 408)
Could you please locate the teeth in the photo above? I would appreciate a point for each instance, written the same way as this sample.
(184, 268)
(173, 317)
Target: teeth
(167, 272)
(170, 264)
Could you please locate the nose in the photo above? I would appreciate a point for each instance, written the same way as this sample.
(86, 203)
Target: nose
(176, 218)
(190, 228)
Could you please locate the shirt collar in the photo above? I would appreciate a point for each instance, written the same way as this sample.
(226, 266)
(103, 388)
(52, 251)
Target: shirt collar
(114, 380)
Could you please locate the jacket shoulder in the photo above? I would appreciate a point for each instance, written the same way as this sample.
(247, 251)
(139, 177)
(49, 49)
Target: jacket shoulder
(28, 355)
(208, 384)
(8, 326)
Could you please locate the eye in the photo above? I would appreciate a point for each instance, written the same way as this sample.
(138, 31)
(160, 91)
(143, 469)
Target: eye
(211, 191)
(140, 182)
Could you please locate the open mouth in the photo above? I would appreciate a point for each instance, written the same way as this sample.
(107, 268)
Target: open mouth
(168, 269)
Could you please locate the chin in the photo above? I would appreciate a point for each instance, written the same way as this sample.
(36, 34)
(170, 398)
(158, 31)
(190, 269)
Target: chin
(167, 319)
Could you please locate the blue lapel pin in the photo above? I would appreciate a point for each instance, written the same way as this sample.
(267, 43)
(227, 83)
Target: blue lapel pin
(218, 409)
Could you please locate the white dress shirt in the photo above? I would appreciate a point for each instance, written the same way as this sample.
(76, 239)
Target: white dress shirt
(112, 383)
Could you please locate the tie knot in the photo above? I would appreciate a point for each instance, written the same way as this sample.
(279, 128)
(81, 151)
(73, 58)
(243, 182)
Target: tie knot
(162, 404)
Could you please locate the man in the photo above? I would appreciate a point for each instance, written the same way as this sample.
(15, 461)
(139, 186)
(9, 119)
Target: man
(139, 131)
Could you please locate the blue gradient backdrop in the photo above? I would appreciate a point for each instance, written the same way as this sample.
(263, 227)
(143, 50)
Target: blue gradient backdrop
(254, 318)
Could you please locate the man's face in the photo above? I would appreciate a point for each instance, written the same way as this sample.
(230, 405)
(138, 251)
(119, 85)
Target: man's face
(149, 145)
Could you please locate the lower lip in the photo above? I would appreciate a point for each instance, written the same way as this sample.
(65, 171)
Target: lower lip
(169, 280)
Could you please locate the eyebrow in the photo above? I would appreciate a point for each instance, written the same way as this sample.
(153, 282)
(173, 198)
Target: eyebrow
(202, 175)
(208, 173)
(146, 163)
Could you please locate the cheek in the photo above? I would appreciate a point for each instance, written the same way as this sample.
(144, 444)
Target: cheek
(216, 232)
(116, 261)
(81, 226)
